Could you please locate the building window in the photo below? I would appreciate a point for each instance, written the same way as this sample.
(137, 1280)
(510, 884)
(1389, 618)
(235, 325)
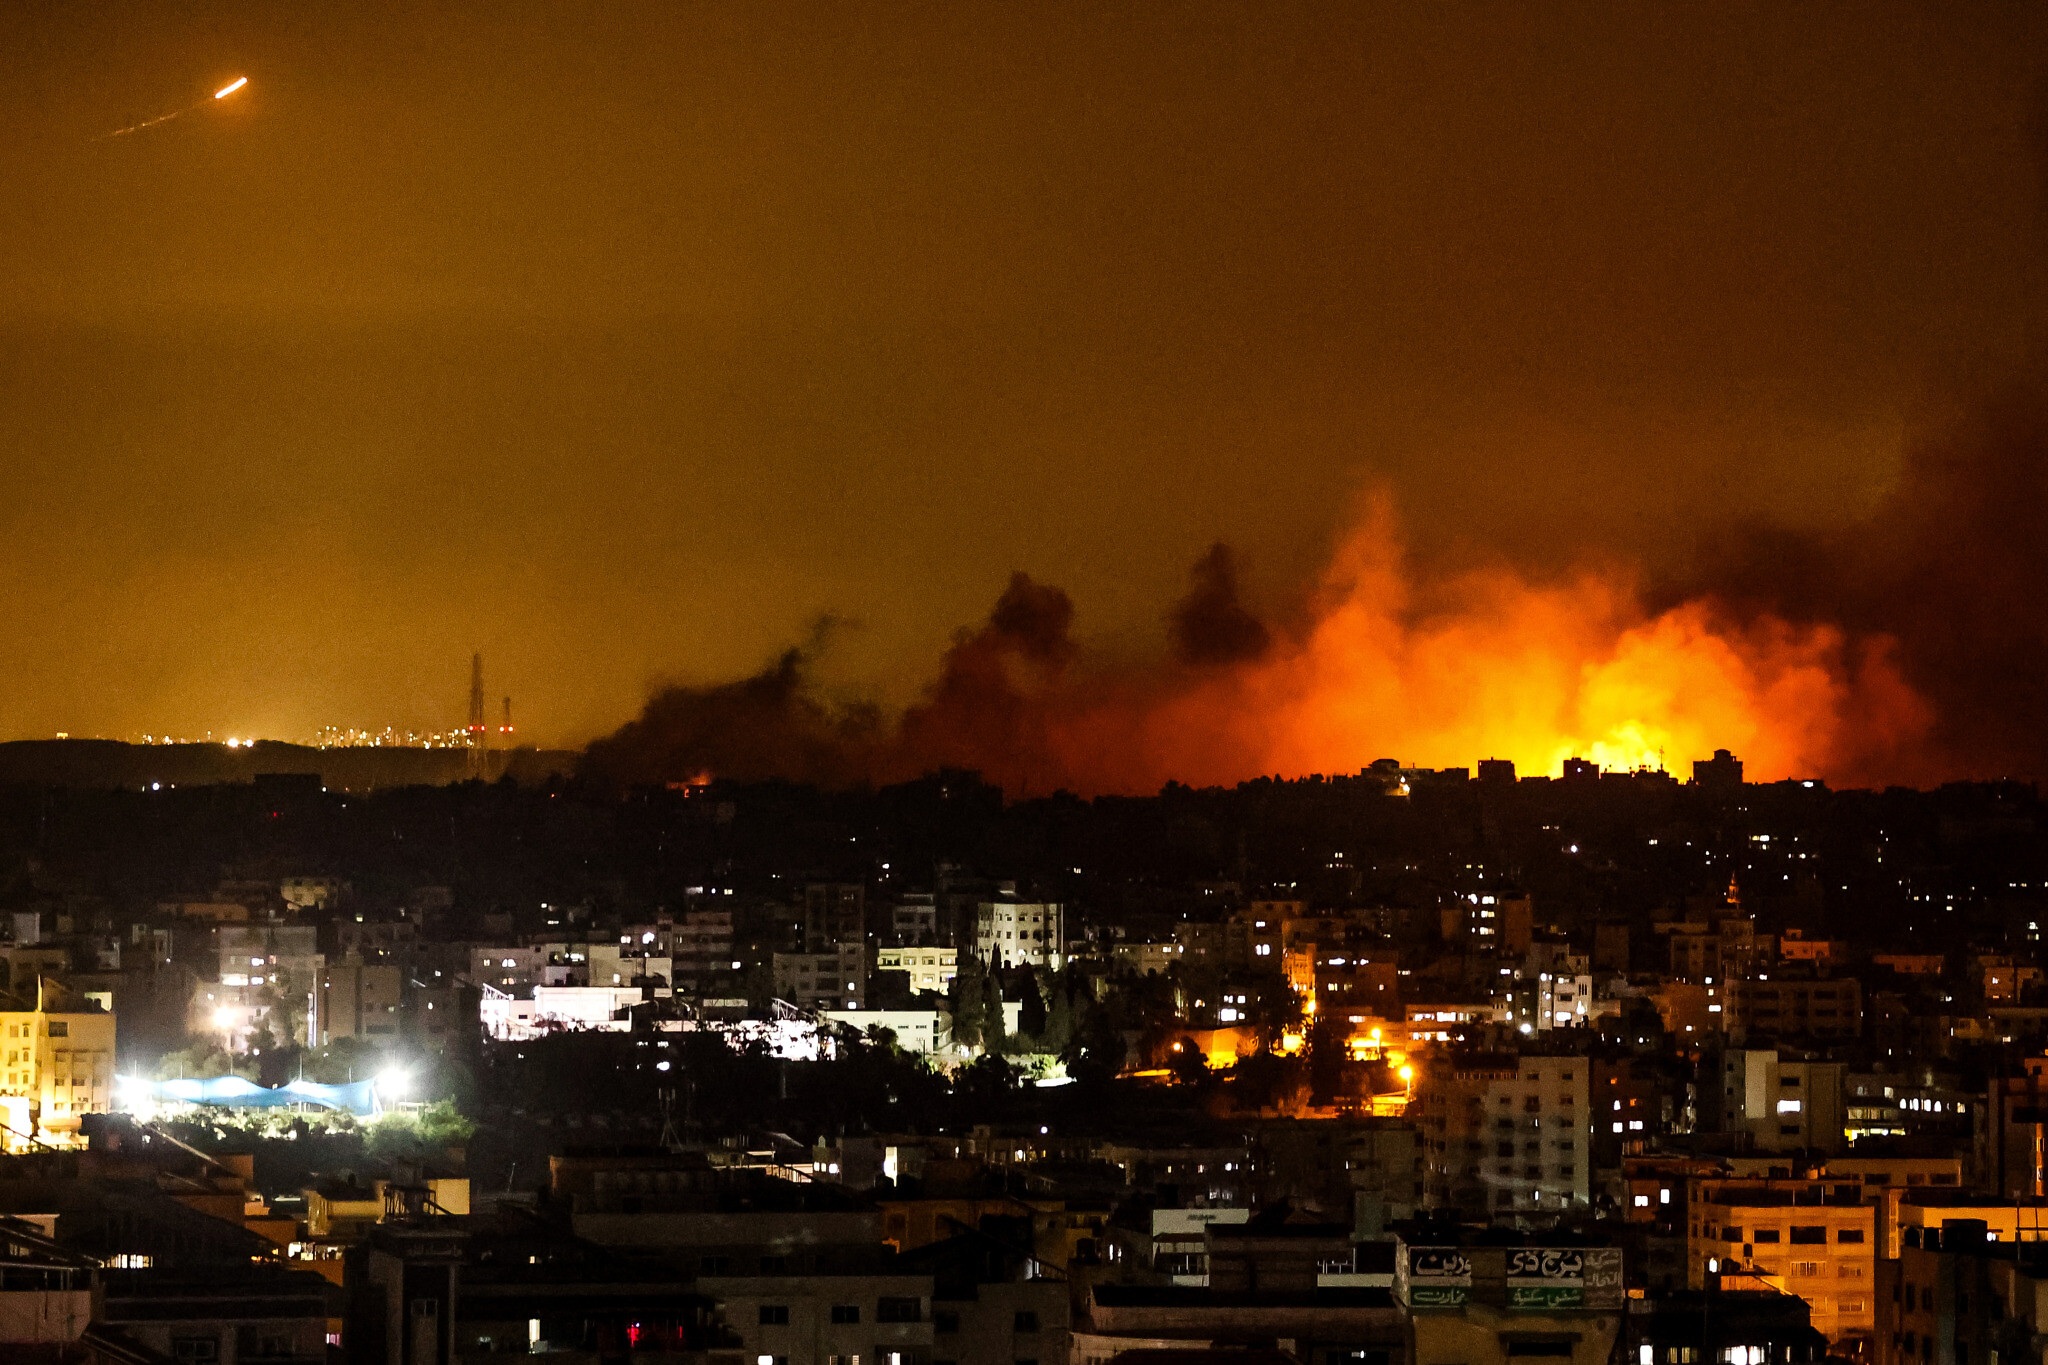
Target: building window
(1808, 1236)
(775, 1315)
(944, 1323)
(898, 1310)
(843, 1313)
(1026, 1321)
(1849, 1235)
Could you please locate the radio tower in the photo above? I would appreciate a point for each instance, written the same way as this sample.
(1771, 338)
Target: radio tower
(479, 738)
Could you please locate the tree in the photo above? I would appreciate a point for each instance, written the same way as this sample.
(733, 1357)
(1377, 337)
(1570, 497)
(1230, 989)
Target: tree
(415, 1134)
(965, 997)
(1268, 1081)
(1057, 1034)
(1031, 1018)
(1188, 1063)
(988, 1077)
(1326, 1060)
(1276, 1007)
(995, 1028)
(1096, 1053)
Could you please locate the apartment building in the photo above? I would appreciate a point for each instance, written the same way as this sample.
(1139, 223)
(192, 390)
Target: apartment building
(259, 954)
(1563, 1000)
(1506, 1136)
(1779, 1006)
(835, 979)
(1025, 933)
(701, 948)
(1958, 1294)
(1817, 1238)
(624, 963)
(1358, 980)
(835, 913)
(510, 968)
(826, 1318)
(930, 969)
(58, 1065)
(354, 999)
(914, 918)
(1147, 959)
(1781, 1103)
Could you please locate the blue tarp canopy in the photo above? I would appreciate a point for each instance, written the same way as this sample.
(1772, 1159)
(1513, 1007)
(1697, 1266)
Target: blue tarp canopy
(232, 1092)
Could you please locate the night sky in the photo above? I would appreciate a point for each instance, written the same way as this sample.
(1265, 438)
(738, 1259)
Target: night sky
(625, 343)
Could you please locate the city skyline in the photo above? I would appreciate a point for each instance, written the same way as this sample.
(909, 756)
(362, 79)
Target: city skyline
(1225, 683)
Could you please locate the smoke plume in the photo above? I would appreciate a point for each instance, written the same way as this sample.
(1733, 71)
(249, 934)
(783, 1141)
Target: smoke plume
(1910, 646)
(1952, 569)
(770, 725)
(1210, 625)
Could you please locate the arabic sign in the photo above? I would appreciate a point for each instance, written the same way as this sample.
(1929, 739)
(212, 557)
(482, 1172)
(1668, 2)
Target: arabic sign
(1564, 1277)
(1533, 1279)
(1433, 1277)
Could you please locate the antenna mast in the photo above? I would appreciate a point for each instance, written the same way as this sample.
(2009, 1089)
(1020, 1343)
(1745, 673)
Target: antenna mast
(479, 738)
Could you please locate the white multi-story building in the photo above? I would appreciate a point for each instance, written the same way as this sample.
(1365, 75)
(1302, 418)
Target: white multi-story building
(929, 969)
(1505, 1136)
(1563, 1001)
(1028, 933)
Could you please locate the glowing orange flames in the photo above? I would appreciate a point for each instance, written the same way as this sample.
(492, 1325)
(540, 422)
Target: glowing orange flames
(1434, 672)
(1491, 664)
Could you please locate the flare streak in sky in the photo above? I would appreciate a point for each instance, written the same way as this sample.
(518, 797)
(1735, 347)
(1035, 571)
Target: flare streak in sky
(230, 88)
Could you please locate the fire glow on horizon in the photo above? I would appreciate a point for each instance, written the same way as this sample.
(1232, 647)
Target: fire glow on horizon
(1385, 661)
(1492, 664)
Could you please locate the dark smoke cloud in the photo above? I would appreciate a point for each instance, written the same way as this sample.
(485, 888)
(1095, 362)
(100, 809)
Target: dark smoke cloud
(1953, 566)
(988, 710)
(770, 725)
(1210, 626)
(1944, 585)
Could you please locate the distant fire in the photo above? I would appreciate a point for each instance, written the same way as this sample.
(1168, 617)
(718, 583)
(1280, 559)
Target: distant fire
(1384, 664)
(1491, 664)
